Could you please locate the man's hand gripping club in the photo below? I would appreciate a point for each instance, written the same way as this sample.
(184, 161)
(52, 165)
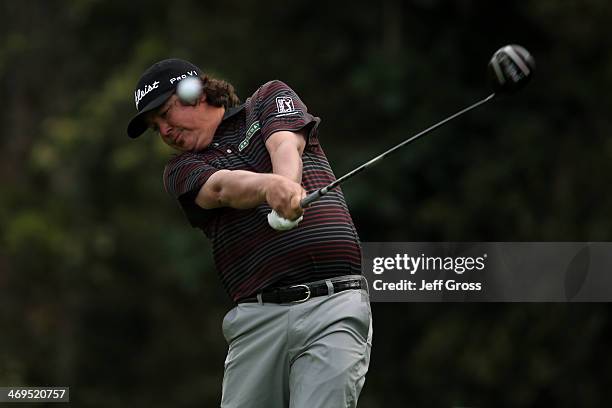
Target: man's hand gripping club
(284, 196)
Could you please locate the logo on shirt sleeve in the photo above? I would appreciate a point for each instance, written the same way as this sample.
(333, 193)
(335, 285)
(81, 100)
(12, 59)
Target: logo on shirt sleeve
(284, 105)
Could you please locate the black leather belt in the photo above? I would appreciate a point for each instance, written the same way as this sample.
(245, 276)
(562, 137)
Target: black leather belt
(303, 292)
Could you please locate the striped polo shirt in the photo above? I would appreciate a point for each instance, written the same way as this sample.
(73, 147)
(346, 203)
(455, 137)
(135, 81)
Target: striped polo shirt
(250, 255)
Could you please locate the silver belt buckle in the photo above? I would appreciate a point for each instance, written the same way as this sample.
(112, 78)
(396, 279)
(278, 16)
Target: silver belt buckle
(307, 293)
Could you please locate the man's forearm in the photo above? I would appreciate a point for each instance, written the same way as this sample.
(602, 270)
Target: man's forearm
(287, 162)
(286, 155)
(241, 189)
(234, 188)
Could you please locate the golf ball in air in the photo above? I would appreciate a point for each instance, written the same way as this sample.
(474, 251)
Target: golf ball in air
(189, 90)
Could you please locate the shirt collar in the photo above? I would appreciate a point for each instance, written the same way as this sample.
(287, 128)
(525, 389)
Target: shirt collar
(232, 111)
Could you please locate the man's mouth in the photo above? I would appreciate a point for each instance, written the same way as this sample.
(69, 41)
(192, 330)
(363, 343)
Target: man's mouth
(176, 138)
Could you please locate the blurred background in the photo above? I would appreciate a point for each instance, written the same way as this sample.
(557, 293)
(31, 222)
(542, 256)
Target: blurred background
(105, 288)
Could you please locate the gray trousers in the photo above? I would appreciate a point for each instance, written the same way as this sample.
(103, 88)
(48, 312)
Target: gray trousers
(313, 354)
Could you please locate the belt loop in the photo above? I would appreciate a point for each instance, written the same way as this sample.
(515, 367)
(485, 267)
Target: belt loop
(259, 299)
(330, 287)
(367, 286)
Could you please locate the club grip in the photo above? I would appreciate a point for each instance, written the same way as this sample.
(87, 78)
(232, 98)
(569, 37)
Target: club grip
(311, 198)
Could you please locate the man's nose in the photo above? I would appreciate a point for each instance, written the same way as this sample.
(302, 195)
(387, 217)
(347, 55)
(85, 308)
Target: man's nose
(164, 128)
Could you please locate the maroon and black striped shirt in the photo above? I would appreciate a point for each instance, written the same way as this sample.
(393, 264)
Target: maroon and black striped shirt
(249, 254)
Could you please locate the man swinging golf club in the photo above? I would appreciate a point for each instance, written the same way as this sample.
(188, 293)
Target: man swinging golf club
(301, 331)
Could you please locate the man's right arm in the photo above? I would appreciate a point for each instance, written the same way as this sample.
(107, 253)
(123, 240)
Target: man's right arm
(242, 189)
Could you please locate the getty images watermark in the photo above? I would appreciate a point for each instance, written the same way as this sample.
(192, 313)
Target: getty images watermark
(488, 271)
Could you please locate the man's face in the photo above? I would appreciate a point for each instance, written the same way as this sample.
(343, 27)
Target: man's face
(183, 127)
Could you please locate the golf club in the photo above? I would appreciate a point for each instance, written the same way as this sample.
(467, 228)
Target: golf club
(510, 68)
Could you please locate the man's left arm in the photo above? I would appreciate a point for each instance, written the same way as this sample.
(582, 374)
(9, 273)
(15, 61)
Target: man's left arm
(285, 149)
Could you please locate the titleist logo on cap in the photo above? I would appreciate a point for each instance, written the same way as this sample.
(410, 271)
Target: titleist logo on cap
(141, 93)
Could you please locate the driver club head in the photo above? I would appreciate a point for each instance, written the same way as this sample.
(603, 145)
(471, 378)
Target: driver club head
(510, 68)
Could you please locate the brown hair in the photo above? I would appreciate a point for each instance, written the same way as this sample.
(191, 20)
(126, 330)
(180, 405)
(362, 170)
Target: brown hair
(219, 93)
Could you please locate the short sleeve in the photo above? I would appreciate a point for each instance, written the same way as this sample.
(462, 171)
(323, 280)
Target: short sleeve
(183, 177)
(186, 173)
(280, 108)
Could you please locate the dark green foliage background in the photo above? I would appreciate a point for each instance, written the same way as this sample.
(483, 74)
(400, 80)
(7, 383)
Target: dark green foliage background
(104, 287)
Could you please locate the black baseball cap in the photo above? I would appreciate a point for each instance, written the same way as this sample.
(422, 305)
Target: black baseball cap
(154, 88)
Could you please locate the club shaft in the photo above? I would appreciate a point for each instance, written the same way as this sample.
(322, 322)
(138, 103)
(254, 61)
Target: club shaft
(314, 196)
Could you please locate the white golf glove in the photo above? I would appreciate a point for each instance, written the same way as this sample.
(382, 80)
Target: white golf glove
(282, 224)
